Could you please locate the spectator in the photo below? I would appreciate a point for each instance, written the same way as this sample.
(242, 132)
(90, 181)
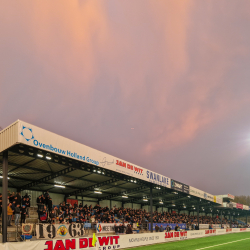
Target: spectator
(23, 214)
(17, 214)
(156, 228)
(18, 198)
(43, 216)
(61, 219)
(161, 229)
(50, 204)
(27, 205)
(9, 214)
(177, 228)
(129, 229)
(52, 216)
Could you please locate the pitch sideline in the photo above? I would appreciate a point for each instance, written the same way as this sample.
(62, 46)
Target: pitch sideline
(222, 244)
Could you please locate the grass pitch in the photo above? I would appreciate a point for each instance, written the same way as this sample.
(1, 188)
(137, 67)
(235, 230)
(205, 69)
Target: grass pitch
(234, 241)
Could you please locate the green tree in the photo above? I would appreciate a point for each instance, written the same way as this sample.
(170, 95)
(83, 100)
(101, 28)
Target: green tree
(242, 199)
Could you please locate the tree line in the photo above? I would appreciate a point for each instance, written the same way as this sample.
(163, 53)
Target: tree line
(242, 199)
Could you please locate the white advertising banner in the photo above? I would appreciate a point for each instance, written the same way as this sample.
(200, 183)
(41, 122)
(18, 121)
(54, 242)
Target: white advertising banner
(216, 226)
(201, 194)
(36, 137)
(219, 200)
(245, 207)
(106, 227)
(196, 192)
(204, 226)
(62, 231)
(195, 234)
(209, 197)
(221, 231)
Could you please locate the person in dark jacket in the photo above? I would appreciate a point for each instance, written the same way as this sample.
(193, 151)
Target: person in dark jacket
(117, 229)
(17, 214)
(18, 199)
(168, 228)
(27, 205)
(50, 203)
(129, 229)
(122, 228)
(177, 228)
(61, 219)
(23, 214)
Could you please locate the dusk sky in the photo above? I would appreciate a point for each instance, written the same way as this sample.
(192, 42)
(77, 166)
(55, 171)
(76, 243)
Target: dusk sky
(164, 84)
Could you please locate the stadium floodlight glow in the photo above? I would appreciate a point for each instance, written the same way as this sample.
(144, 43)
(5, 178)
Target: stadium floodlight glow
(173, 205)
(2, 177)
(144, 199)
(40, 155)
(103, 173)
(161, 202)
(98, 171)
(124, 196)
(184, 206)
(48, 157)
(59, 186)
(189, 196)
(135, 181)
(98, 192)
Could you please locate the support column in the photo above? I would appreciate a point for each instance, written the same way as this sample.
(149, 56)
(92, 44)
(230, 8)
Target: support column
(198, 214)
(221, 218)
(230, 219)
(5, 195)
(151, 208)
(246, 218)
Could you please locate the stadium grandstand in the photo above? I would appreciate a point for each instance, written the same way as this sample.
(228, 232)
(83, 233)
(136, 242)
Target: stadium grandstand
(56, 181)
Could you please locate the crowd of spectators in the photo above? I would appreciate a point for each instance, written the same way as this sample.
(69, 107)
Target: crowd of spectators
(68, 213)
(18, 207)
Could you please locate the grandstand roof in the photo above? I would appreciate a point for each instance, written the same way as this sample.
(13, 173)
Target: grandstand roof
(39, 160)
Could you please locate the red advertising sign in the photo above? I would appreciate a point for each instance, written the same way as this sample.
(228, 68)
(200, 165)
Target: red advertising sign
(230, 196)
(210, 231)
(240, 206)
